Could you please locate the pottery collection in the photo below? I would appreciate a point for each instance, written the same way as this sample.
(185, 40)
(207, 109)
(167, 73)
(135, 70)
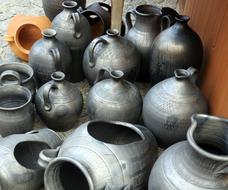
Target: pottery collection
(114, 51)
(59, 103)
(73, 29)
(55, 56)
(116, 147)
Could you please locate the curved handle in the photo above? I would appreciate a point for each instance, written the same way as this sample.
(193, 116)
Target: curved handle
(128, 20)
(92, 47)
(9, 38)
(101, 73)
(57, 58)
(106, 6)
(193, 74)
(166, 22)
(47, 102)
(32, 132)
(11, 73)
(46, 156)
(77, 24)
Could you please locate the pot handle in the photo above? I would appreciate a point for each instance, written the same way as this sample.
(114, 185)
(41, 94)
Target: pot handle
(166, 22)
(106, 6)
(77, 24)
(46, 156)
(101, 73)
(193, 74)
(128, 20)
(92, 47)
(11, 73)
(46, 96)
(57, 57)
(9, 38)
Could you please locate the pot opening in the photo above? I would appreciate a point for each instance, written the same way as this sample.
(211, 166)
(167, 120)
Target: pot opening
(27, 36)
(49, 33)
(112, 32)
(182, 18)
(181, 74)
(117, 134)
(116, 74)
(25, 72)
(58, 76)
(14, 98)
(208, 136)
(148, 10)
(67, 175)
(27, 153)
(69, 4)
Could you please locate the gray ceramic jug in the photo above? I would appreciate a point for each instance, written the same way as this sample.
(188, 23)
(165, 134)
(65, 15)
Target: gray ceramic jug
(54, 7)
(22, 73)
(112, 51)
(59, 103)
(49, 55)
(16, 109)
(168, 106)
(114, 99)
(177, 47)
(101, 155)
(19, 159)
(147, 26)
(200, 163)
(74, 30)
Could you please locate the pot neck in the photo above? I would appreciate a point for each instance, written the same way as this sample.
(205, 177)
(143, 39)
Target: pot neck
(49, 34)
(148, 18)
(186, 75)
(58, 77)
(207, 137)
(181, 21)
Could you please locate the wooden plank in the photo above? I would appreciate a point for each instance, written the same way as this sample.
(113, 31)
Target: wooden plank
(117, 11)
(209, 19)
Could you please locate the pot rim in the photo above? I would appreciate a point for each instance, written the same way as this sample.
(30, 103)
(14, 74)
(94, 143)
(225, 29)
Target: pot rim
(121, 123)
(155, 10)
(193, 143)
(22, 65)
(77, 164)
(27, 91)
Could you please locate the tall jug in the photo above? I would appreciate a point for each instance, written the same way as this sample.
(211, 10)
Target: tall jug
(143, 33)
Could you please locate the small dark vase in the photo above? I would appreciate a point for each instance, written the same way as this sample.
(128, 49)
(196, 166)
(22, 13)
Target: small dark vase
(143, 33)
(177, 47)
(54, 7)
(74, 30)
(59, 103)
(114, 99)
(49, 55)
(99, 16)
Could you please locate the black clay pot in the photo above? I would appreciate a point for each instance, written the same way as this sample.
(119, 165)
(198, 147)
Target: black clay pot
(54, 7)
(177, 47)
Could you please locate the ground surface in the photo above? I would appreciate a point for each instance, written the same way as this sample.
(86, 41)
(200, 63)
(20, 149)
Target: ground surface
(9, 8)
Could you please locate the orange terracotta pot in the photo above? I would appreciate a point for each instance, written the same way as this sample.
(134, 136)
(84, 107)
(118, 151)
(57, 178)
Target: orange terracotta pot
(23, 31)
